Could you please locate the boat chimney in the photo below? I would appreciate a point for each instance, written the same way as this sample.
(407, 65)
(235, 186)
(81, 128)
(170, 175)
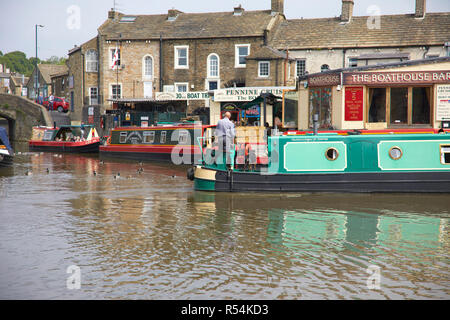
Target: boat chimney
(316, 123)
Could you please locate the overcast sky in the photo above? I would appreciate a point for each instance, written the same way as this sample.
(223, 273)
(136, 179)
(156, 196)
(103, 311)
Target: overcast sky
(62, 30)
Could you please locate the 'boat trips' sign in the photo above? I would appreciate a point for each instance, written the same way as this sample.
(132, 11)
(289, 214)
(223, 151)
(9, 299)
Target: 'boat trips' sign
(443, 102)
(199, 95)
(246, 94)
(409, 77)
(354, 103)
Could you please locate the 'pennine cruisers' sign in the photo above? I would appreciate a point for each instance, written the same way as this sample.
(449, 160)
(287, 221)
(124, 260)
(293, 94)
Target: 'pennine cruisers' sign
(403, 78)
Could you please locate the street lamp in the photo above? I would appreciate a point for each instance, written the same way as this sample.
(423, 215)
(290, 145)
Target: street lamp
(35, 63)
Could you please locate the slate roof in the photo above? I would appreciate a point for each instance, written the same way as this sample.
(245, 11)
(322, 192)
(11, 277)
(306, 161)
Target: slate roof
(395, 30)
(49, 69)
(189, 25)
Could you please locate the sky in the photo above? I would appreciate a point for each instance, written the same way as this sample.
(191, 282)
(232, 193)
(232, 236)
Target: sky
(73, 22)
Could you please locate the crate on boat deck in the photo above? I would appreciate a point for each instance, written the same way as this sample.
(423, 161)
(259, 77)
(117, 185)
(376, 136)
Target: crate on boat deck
(253, 134)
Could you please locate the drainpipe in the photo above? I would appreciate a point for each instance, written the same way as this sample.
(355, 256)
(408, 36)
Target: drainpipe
(343, 58)
(82, 83)
(99, 97)
(160, 63)
(286, 66)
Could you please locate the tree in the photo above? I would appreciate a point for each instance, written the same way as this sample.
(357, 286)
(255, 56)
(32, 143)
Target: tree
(17, 61)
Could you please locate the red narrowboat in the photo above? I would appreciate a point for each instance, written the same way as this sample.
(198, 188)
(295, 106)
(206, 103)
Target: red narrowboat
(71, 139)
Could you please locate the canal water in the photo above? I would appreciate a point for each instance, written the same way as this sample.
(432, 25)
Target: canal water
(150, 236)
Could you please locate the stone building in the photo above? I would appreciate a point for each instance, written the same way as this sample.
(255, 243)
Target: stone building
(83, 78)
(181, 52)
(43, 74)
(60, 84)
(177, 53)
(17, 85)
(349, 41)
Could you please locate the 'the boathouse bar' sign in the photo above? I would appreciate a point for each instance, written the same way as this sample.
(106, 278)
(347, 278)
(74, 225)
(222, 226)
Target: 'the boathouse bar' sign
(387, 78)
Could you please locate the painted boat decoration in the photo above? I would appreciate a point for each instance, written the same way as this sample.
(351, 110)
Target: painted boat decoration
(6, 151)
(166, 143)
(387, 161)
(71, 139)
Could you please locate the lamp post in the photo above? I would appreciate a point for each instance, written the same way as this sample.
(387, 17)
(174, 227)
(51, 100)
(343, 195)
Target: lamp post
(35, 63)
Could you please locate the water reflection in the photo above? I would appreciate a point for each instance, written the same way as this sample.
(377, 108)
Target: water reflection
(149, 235)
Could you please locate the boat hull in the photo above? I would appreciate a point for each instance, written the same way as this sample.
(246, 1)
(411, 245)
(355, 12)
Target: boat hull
(42, 146)
(147, 154)
(401, 182)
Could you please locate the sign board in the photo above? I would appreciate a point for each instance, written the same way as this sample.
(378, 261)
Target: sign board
(246, 94)
(403, 78)
(200, 95)
(354, 103)
(252, 112)
(90, 111)
(443, 102)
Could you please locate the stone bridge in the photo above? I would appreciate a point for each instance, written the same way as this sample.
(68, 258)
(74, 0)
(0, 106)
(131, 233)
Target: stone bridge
(22, 114)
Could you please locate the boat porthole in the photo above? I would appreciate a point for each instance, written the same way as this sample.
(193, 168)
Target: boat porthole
(331, 154)
(395, 153)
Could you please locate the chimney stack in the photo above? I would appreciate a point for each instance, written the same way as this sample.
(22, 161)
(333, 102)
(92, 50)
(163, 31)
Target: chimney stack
(173, 14)
(238, 11)
(421, 8)
(347, 10)
(277, 6)
(112, 14)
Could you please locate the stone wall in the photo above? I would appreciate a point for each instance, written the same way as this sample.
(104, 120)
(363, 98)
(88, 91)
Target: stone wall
(23, 114)
(130, 74)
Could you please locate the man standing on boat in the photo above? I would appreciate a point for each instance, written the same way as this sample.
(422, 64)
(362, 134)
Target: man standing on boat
(225, 134)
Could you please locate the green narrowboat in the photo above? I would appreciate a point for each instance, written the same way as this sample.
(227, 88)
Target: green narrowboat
(332, 162)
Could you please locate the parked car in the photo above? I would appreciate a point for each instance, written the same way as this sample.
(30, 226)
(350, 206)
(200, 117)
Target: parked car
(59, 104)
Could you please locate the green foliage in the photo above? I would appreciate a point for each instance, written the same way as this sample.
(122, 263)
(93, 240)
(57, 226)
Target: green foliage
(17, 61)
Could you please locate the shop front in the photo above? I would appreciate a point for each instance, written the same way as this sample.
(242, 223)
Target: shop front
(413, 94)
(247, 106)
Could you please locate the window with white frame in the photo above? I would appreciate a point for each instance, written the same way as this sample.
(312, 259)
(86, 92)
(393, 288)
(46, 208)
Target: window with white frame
(181, 57)
(112, 59)
(263, 69)
(181, 87)
(91, 61)
(300, 68)
(148, 67)
(116, 91)
(241, 53)
(213, 66)
(93, 96)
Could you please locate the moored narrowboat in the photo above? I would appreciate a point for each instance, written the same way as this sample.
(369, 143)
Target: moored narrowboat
(174, 143)
(71, 139)
(338, 162)
(6, 151)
